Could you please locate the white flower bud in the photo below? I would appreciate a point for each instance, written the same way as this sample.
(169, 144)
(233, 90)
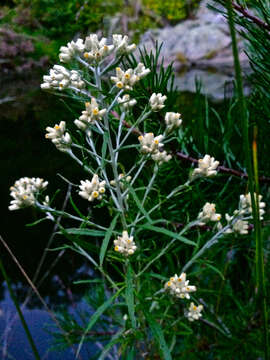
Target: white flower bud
(157, 101)
(208, 214)
(125, 244)
(59, 138)
(24, 192)
(194, 312)
(91, 190)
(206, 167)
(179, 286)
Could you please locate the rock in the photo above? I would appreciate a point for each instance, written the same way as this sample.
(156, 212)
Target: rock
(201, 43)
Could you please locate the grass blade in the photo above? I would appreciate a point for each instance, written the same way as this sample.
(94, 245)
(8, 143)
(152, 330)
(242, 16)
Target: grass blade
(106, 240)
(130, 296)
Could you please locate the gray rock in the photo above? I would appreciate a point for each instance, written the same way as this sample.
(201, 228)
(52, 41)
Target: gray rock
(201, 43)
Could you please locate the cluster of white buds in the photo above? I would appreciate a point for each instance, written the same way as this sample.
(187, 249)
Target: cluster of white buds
(125, 244)
(161, 156)
(72, 49)
(61, 78)
(96, 50)
(208, 213)
(239, 226)
(206, 167)
(153, 145)
(91, 190)
(156, 101)
(172, 120)
(245, 207)
(141, 71)
(121, 46)
(126, 102)
(58, 136)
(179, 286)
(194, 312)
(149, 143)
(24, 191)
(122, 179)
(89, 115)
(127, 79)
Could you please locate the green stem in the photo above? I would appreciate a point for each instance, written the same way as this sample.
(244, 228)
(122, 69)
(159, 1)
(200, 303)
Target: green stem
(13, 297)
(260, 281)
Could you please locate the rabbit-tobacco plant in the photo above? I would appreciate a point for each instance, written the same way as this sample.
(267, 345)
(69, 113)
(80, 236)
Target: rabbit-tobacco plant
(118, 154)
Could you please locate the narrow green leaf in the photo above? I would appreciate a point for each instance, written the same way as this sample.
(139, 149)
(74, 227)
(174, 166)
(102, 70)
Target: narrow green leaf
(95, 318)
(104, 149)
(36, 222)
(106, 240)
(158, 335)
(169, 233)
(130, 296)
(138, 203)
(85, 232)
(113, 341)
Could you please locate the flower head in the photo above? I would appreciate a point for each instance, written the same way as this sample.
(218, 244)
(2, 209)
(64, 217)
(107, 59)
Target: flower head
(91, 190)
(239, 226)
(126, 102)
(121, 46)
(125, 244)
(179, 286)
(125, 79)
(206, 167)
(95, 49)
(58, 136)
(194, 312)
(208, 213)
(24, 192)
(157, 101)
(149, 143)
(172, 120)
(161, 156)
(61, 78)
(89, 115)
(73, 48)
(245, 206)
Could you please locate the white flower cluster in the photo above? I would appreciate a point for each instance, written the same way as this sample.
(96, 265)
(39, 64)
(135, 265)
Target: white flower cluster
(58, 136)
(121, 46)
(172, 120)
(126, 102)
(24, 191)
(94, 50)
(125, 244)
(245, 207)
(206, 167)
(91, 190)
(73, 48)
(153, 145)
(156, 101)
(194, 312)
(179, 286)
(89, 115)
(127, 79)
(208, 213)
(239, 226)
(61, 78)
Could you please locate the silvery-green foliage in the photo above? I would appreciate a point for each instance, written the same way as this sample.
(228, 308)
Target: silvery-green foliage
(122, 164)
